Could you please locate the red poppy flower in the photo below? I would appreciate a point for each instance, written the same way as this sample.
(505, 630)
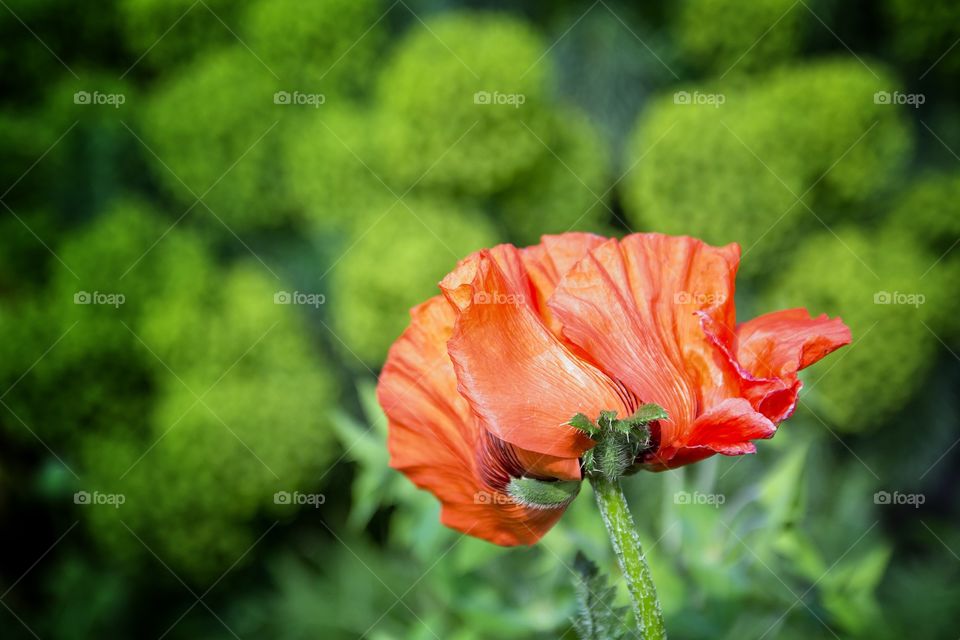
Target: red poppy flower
(480, 389)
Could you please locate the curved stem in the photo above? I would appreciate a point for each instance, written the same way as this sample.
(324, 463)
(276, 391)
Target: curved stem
(633, 562)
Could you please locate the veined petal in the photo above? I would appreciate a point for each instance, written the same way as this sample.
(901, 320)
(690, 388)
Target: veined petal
(519, 379)
(547, 263)
(435, 441)
(728, 429)
(778, 344)
(768, 351)
(632, 306)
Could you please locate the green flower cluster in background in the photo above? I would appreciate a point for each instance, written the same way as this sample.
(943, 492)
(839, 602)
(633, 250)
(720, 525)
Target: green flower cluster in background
(146, 24)
(459, 108)
(201, 122)
(884, 310)
(395, 264)
(725, 36)
(923, 32)
(197, 371)
(793, 152)
(216, 217)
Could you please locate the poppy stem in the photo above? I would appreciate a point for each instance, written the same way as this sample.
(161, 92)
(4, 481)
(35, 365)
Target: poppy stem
(633, 563)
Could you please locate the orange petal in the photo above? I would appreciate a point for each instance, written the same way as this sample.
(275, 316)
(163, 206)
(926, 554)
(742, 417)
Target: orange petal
(779, 344)
(768, 351)
(434, 440)
(519, 379)
(633, 307)
(727, 428)
(549, 261)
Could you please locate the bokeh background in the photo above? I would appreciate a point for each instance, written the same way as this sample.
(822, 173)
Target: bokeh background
(217, 213)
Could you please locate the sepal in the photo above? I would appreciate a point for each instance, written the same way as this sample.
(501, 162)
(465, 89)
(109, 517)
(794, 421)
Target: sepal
(541, 494)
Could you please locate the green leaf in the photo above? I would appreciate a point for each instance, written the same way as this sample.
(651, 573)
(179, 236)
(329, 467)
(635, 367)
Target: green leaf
(648, 413)
(587, 460)
(848, 591)
(537, 493)
(375, 484)
(607, 418)
(623, 427)
(597, 618)
(585, 424)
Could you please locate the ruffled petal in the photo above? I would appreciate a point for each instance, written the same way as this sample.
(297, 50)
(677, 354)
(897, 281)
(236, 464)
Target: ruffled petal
(633, 305)
(768, 351)
(779, 344)
(728, 429)
(518, 378)
(434, 440)
(547, 263)
(772, 348)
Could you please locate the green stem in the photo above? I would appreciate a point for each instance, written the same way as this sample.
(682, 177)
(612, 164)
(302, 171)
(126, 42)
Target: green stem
(633, 563)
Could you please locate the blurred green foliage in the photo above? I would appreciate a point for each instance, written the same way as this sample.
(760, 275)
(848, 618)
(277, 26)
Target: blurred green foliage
(929, 212)
(722, 36)
(225, 93)
(871, 281)
(196, 363)
(267, 249)
(329, 45)
(395, 264)
(572, 184)
(801, 148)
(922, 34)
(147, 28)
(443, 125)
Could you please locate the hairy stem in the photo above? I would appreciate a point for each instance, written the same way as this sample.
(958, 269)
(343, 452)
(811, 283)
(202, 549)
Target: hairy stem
(633, 563)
